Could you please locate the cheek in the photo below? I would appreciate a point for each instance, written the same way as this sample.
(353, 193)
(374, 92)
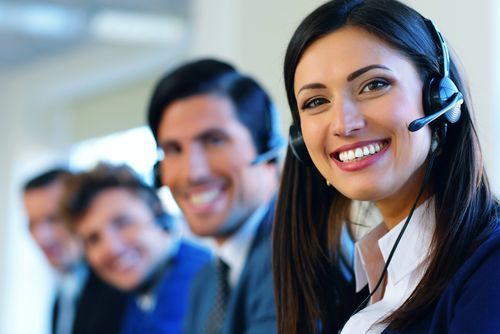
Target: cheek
(93, 257)
(313, 133)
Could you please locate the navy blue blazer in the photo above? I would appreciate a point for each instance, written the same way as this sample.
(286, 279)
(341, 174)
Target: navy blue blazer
(251, 307)
(471, 301)
(171, 295)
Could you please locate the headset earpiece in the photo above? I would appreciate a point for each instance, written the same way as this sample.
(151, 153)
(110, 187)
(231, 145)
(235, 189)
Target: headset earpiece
(273, 139)
(157, 175)
(297, 145)
(441, 95)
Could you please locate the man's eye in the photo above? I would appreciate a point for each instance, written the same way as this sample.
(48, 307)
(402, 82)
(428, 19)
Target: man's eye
(314, 102)
(375, 85)
(170, 150)
(214, 140)
(91, 240)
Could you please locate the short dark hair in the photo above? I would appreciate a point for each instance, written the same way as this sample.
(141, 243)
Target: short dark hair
(46, 178)
(253, 105)
(84, 187)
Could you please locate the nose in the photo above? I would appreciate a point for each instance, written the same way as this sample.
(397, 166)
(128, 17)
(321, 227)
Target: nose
(43, 233)
(112, 245)
(346, 117)
(197, 163)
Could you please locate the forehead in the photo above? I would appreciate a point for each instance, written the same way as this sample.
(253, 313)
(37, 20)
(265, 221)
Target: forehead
(43, 199)
(110, 203)
(191, 116)
(342, 52)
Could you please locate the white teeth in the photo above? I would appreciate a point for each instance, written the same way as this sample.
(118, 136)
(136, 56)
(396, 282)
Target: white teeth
(127, 260)
(205, 197)
(360, 152)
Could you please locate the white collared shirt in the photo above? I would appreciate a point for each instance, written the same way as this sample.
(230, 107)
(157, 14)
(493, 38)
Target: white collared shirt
(70, 287)
(404, 272)
(235, 249)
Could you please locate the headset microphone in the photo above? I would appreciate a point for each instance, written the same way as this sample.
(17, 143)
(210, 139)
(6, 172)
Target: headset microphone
(272, 154)
(452, 111)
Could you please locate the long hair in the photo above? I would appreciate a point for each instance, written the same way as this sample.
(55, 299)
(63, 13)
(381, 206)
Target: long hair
(309, 215)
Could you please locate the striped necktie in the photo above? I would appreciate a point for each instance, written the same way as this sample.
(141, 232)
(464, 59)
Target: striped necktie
(216, 318)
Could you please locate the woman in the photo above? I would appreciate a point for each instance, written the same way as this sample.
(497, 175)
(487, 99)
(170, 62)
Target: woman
(358, 74)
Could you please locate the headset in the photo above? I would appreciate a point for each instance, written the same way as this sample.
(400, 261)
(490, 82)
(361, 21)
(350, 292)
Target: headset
(440, 97)
(273, 138)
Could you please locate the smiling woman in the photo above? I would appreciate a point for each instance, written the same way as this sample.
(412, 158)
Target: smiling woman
(358, 74)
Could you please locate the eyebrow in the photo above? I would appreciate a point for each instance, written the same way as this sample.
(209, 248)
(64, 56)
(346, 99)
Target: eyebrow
(200, 136)
(350, 77)
(365, 69)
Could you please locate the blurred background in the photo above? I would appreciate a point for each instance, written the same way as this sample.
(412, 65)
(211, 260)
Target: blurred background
(76, 76)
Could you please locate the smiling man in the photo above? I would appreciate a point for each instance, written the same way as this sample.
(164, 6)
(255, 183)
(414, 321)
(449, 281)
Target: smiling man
(84, 304)
(218, 134)
(131, 243)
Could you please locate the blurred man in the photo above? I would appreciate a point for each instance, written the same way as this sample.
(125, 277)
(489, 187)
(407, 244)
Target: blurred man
(131, 243)
(84, 304)
(218, 133)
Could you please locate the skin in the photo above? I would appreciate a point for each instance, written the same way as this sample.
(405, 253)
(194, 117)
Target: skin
(207, 165)
(123, 243)
(59, 246)
(353, 90)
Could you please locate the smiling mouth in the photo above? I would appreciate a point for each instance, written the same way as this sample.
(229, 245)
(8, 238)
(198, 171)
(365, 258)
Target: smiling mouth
(204, 198)
(126, 261)
(360, 153)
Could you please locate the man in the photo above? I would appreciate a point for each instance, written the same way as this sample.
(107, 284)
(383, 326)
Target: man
(84, 304)
(131, 243)
(218, 133)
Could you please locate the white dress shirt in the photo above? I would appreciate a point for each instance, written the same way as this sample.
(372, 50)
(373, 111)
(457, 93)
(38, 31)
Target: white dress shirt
(234, 250)
(70, 288)
(404, 272)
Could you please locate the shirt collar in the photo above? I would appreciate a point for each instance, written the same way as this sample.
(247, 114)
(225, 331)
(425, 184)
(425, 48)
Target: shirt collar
(235, 249)
(373, 250)
(72, 281)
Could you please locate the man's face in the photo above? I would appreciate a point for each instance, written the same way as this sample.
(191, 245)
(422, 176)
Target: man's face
(123, 243)
(59, 246)
(207, 165)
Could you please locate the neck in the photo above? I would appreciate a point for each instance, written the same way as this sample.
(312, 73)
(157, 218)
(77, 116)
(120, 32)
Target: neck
(395, 208)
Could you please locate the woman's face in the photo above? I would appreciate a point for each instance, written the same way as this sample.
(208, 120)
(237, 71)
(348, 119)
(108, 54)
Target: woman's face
(356, 96)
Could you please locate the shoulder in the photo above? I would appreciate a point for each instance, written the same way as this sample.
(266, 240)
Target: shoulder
(471, 301)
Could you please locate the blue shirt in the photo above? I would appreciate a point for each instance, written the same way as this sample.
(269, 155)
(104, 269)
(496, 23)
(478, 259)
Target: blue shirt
(171, 297)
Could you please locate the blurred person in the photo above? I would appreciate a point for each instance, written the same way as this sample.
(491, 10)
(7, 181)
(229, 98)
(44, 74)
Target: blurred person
(219, 137)
(84, 304)
(131, 243)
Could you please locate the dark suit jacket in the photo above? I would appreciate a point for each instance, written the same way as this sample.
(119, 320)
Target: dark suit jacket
(251, 308)
(471, 301)
(99, 308)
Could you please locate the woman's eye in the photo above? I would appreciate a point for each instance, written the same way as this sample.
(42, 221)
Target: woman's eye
(374, 85)
(314, 102)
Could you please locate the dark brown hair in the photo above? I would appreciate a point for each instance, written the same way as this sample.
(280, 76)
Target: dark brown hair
(83, 188)
(310, 215)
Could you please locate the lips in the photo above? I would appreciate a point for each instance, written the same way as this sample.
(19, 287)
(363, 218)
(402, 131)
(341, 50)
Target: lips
(126, 261)
(205, 199)
(360, 155)
(359, 151)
